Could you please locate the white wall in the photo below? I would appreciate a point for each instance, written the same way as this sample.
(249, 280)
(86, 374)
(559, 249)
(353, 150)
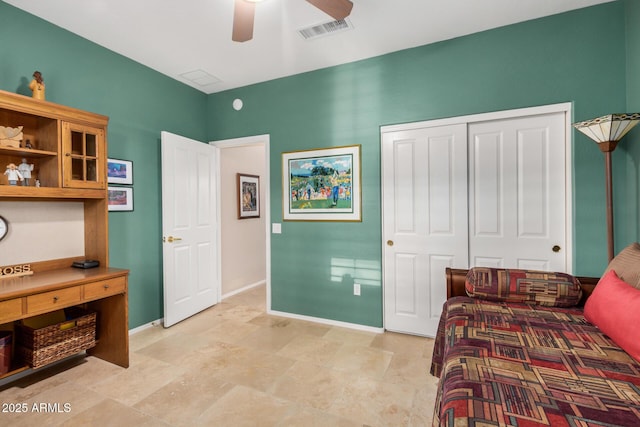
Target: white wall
(40, 231)
(243, 240)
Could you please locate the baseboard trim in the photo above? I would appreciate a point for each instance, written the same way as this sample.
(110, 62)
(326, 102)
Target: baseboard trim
(145, 326)
(320, 320)
(329, 322)
(245, 288)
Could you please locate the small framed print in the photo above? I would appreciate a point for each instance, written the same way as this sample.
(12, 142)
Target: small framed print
(248, 196)
(119, 171)
(121, 199)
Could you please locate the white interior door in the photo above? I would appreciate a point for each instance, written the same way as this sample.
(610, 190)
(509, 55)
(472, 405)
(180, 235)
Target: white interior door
(189, 209)
(425, 223)
(517, 193)
(485, 190)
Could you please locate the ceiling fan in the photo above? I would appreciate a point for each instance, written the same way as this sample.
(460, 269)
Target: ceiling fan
(244, 12)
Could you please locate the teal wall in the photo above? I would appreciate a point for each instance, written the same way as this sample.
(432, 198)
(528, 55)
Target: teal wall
(580, 57)
(139, 102)
(577, 57)
(630, 147)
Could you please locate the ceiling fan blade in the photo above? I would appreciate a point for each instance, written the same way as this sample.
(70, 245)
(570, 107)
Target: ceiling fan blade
(337, 9)
(243, 15)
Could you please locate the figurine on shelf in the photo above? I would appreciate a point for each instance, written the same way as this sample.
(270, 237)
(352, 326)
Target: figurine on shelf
(13, 174)
(37, 85)
(25, 169)
(37, 183)
(10, 137)
(27, 144)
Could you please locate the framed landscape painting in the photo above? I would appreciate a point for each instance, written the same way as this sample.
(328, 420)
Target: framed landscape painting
(120, 199)
(119, 171)
(322, 184)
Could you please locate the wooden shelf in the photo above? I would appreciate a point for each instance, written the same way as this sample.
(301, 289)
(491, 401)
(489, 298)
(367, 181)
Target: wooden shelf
(15, 370)
(48, 109)
(48, 193)
(27, 152)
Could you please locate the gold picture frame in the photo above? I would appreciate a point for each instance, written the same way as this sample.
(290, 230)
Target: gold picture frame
(323, 184)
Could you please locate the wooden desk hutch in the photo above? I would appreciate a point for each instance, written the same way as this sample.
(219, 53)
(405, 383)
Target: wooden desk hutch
(69, 151)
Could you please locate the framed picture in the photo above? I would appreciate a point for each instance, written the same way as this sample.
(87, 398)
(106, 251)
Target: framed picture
(120, 199)
(248, 196)
(322, 184)
(119, 171)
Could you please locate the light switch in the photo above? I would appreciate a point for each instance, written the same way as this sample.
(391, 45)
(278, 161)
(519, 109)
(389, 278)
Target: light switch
(276, 228)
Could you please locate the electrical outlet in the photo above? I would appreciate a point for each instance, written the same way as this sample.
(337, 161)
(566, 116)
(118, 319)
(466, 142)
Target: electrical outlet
(356, 289)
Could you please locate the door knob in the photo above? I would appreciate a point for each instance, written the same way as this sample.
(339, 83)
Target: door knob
(389, 242)
(172, 239)
(556, 248)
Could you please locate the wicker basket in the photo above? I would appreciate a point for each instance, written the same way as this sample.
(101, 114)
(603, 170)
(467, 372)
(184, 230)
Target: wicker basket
(39, 347)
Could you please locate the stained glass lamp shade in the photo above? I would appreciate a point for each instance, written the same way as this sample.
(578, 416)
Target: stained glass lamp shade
(608, 130)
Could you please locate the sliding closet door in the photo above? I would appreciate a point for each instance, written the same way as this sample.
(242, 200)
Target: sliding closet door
(517, 195)
(483, 190)
(425, 222)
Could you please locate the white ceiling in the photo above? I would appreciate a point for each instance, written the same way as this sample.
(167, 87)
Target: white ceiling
(177, 37)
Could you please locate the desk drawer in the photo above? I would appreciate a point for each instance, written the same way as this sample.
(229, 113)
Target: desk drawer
(10, 310)
(104, 288)
(49, 301)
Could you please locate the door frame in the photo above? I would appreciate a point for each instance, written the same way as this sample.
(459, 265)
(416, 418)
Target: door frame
(265, 204)
(566, 108)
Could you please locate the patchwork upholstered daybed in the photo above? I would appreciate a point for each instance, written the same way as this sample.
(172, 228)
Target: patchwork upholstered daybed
(521, 350)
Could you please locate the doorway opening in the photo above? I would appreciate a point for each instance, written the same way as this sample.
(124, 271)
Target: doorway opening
(244, 256)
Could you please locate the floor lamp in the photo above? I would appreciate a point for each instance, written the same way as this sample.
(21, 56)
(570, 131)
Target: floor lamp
(607, 131)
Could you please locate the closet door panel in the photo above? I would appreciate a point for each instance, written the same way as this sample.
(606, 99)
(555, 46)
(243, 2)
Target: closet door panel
(425, 223)
(517, 199)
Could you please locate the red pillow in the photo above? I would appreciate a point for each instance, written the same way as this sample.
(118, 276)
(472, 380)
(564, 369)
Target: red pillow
(614, 307)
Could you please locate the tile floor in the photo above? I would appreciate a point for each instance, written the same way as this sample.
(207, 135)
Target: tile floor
(234, 365)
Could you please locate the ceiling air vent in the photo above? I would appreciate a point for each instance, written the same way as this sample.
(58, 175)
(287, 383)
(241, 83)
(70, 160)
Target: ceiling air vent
(325, 29)
(201, 78)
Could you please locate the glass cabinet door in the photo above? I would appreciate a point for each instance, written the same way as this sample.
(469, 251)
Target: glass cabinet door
(83, 158)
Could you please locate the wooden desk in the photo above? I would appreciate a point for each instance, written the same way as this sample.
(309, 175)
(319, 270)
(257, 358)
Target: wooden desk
(101, 289)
